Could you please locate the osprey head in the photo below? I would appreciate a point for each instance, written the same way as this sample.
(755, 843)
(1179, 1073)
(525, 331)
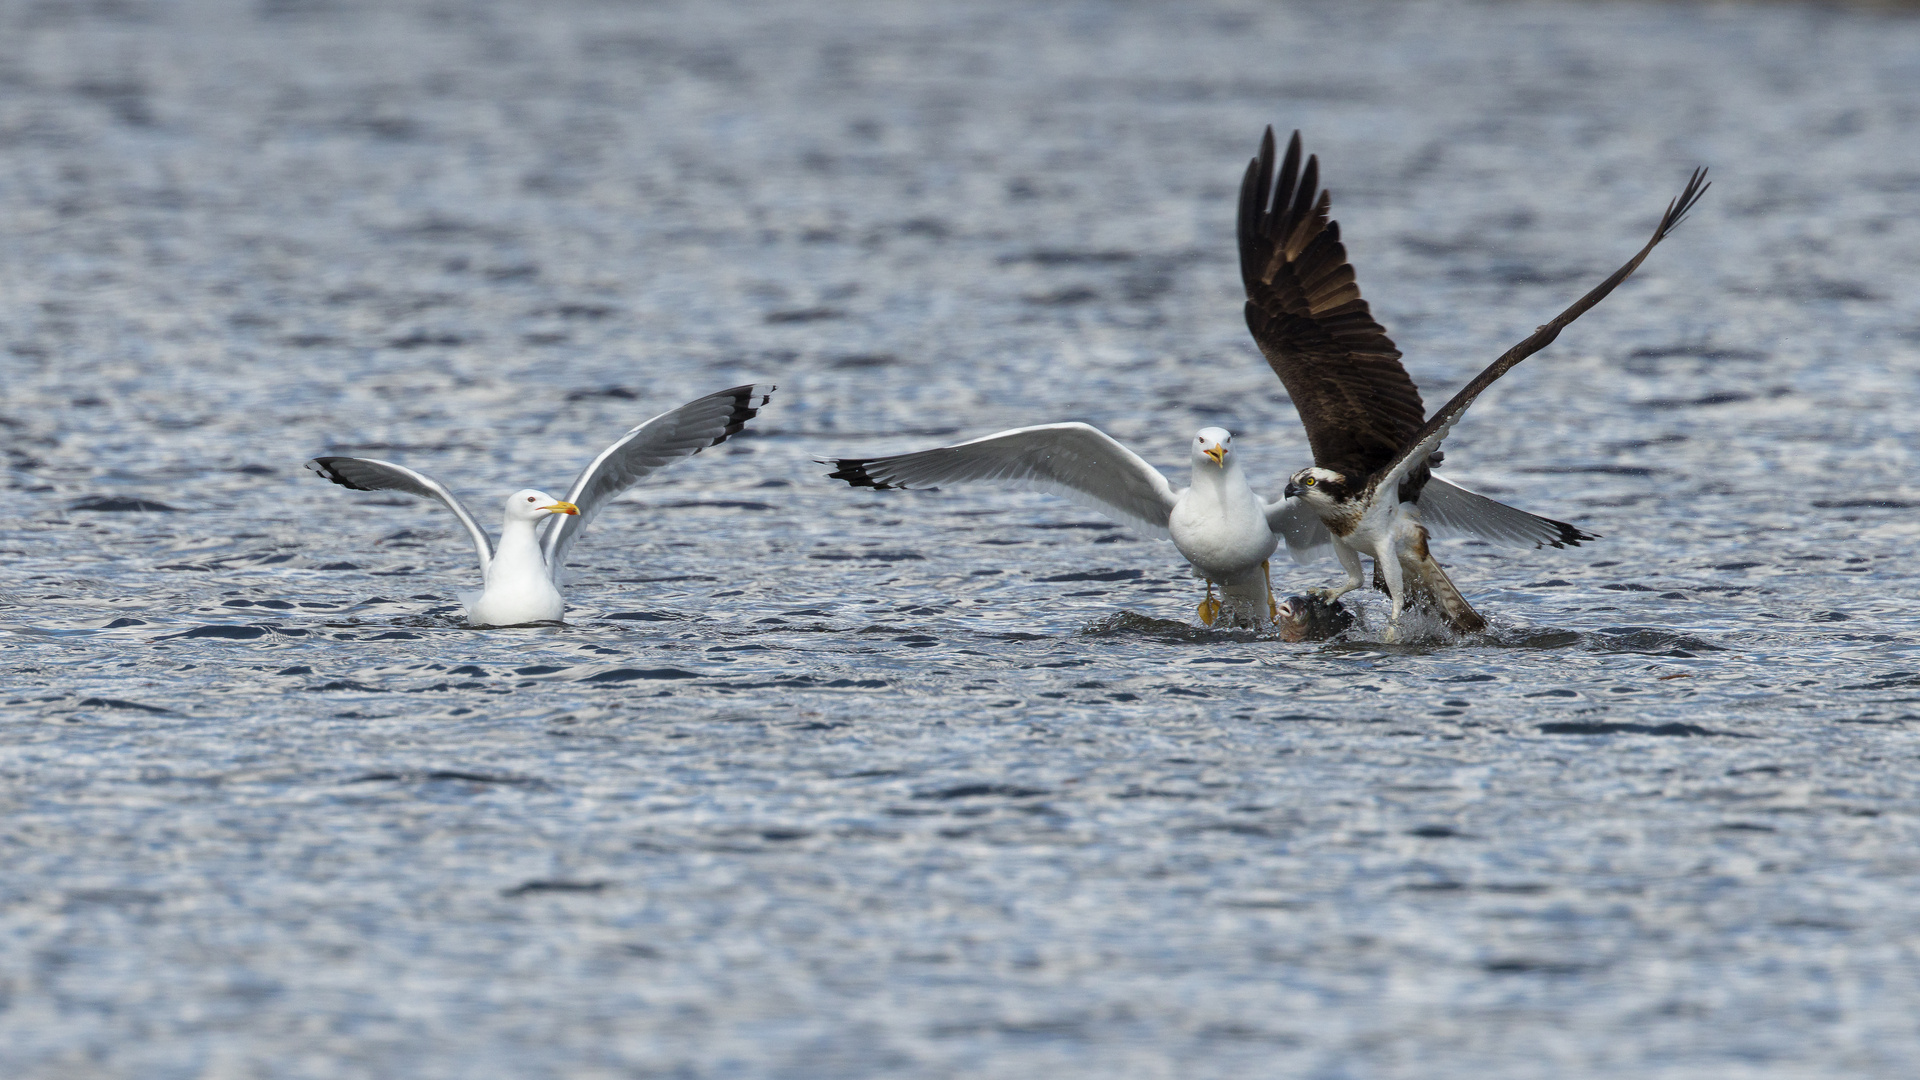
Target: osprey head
(1319, 486)
(1212, 446)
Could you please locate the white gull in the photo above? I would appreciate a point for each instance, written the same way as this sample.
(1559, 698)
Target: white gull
(521, 575)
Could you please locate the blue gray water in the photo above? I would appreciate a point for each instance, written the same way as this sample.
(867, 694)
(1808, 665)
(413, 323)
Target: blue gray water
(826, 783)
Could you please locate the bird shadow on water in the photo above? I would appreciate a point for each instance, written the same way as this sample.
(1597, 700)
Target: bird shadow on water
(1133, 624)
(440, 618)
(1418, 634)
(1647, 640)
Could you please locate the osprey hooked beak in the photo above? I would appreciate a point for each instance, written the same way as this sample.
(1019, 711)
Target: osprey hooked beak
(1293, 490)
(562, 507)
(1218, 454)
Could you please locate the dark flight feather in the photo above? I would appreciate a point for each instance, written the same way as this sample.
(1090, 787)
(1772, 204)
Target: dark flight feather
(1435, 429)
(1358, 404)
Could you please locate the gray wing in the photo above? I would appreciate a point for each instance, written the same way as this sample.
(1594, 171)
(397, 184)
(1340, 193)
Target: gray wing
(1450, 510)
(367, 474)
(661, 441)
(1078, 461)
(1293, 521)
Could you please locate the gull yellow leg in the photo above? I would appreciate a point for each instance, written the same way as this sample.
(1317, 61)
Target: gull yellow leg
(1273, 609)
(1209, 608)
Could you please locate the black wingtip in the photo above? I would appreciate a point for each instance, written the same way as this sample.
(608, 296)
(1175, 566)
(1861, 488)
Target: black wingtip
(324, 467)
(854, 472)
(1272, 190)
(745, 408)
(1677, 210)
(1570, 536)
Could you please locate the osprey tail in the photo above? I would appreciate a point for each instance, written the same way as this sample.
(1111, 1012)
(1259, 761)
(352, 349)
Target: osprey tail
(1429, 589)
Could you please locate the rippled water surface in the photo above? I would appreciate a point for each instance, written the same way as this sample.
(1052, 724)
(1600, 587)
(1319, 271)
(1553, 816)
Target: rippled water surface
(818, 782)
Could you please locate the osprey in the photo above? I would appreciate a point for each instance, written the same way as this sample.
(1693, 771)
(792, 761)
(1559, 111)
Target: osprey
(1370, 489)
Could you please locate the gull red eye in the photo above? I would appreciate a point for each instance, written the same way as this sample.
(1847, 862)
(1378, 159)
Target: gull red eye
(530, 498)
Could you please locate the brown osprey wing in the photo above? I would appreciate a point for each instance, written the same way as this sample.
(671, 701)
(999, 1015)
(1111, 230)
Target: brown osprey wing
(1414, 457)
(1357, 403)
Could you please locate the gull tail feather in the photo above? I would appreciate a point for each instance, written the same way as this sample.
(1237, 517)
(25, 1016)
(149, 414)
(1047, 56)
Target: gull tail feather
(1450, 510)
(1244, 601)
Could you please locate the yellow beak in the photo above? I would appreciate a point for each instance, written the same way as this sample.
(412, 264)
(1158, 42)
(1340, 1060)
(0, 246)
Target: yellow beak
(1218, 454)
(562, 508)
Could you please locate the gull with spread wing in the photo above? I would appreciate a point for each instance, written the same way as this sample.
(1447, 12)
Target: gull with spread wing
(521, 575)
(1370, 488)
(1223, 528)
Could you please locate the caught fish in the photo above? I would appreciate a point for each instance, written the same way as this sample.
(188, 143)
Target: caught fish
(1309, 617)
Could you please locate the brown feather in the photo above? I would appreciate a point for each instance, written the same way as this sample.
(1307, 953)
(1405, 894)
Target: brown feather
(1428, 436)
(1429, 589)
(1305, 310)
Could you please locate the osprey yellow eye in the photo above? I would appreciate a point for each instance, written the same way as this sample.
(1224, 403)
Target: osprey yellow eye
(1310, 481)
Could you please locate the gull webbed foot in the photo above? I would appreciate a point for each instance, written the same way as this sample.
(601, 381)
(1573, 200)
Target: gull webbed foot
(1209, 608)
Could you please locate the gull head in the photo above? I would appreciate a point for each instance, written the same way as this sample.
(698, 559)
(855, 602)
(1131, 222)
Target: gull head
(1212, 446)
(1317, 485)
(530, 505)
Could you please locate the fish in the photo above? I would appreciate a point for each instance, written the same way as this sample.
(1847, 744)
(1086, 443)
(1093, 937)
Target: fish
(1309, 617)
